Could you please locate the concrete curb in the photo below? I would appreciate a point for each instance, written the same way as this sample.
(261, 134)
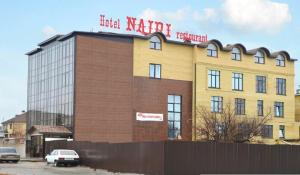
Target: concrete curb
(32, 160)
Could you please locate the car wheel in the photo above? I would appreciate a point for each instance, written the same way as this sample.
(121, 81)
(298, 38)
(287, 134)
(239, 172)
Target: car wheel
(55, 163)
(15, 161)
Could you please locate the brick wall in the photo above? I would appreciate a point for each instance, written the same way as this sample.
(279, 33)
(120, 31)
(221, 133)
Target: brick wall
(103, 103)
(151, 96)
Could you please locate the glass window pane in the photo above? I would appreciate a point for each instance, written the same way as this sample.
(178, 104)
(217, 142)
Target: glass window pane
(177, 116)
(171, 99)
(170, 116)
(177, 108)
(177, 99)
(152, 68)
(157, 71)
(171, 107)
(177, 125)
(170, 125)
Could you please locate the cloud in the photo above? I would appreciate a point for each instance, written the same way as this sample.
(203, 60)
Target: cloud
(263, 16)
(207, 15)
(256, 15)
(49, 31)
(178, 15)
(178, 18)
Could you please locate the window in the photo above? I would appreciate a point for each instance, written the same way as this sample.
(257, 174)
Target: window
(259, 58)
(281, 131)
(212, 50)
(243, 127)
(155, 43)
(154, 71)
(260, 84)
(236, 54)
(216, 104)
(239, 106)
(237, 81)
(279, 109)
(267, 131)
(213, 79)
(280, 61)
(260, 107)
(54, 152)
(281, 86)
(10, 126)
(51, 85)
(174, 116)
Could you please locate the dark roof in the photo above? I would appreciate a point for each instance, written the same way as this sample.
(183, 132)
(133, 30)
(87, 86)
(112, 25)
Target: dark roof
(21, 118)
(53, 38)
(203, 45)
(34, 51)
(47, 129)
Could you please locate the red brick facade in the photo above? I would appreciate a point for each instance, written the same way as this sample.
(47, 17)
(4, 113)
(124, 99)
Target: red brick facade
(103, 84)
(151, 95)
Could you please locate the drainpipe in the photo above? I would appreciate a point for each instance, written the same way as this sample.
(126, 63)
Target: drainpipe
(194, 92)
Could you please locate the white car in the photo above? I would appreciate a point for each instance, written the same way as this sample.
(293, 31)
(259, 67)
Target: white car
(62, 157)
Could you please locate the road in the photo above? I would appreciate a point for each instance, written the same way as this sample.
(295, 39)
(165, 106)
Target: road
(41, 168)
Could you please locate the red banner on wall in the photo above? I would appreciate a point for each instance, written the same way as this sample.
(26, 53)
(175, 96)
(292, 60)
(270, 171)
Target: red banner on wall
(149, 117)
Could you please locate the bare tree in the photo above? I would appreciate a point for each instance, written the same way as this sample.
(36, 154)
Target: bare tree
(227, 126)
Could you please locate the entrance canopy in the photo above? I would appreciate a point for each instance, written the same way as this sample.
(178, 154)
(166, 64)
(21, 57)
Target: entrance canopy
(46, 130)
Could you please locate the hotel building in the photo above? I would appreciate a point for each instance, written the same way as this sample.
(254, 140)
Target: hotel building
(94, 84)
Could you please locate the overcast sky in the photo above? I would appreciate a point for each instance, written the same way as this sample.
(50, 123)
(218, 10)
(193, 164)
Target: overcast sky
(274, 24)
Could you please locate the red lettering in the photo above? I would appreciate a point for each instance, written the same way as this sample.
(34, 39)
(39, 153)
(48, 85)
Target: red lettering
(150, 26)
(159, 26)
(102, 20)
(168, 30)
(177, 35)
(181, 35)
(130, 23)
(205, 38)
(107, 23)
(141, 28)
(111, 23)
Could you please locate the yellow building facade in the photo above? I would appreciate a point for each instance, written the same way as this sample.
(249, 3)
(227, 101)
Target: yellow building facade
(297, 106)
(15, 127)
(197, 63)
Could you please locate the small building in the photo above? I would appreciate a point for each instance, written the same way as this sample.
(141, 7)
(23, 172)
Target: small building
(15, 128)
(39, 134)
(1, 132)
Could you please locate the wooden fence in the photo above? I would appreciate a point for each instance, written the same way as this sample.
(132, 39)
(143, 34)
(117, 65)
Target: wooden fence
(188, 158)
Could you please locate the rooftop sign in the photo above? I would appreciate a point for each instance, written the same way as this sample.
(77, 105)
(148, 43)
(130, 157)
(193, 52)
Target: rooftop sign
(146, 27)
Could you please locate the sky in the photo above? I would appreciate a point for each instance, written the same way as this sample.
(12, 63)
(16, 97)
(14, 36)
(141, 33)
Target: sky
(274, 24)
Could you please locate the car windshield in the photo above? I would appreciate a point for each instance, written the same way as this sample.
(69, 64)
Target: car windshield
(67, 152)
(8, 150)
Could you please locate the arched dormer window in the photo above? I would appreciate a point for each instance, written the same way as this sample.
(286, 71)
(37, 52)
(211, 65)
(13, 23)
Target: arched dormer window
(155, 43)
(259, 57)
(280, 61)
(212, 50)
(236, 54)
